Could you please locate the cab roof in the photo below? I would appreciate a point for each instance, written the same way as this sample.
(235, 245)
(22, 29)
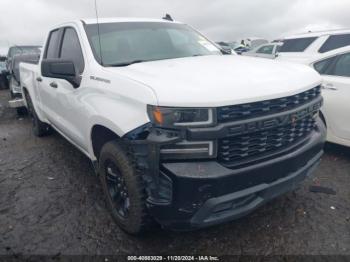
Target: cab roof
(123, 20)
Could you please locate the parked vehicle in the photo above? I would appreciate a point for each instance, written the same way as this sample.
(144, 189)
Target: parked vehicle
(177, 132)
(265, 51)
(311, 45)
(234, 46)
(254, 42)
(3, 73)
(18, 55)
(20, 50)
(334, 66)
(225, 47)
(241, 49)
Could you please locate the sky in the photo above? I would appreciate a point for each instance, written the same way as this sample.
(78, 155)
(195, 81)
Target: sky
(26, 22)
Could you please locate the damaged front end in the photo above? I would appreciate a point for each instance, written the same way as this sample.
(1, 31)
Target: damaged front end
(205, 172)
(144, 146)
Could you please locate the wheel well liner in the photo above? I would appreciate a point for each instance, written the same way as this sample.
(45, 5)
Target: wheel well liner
(100, 135)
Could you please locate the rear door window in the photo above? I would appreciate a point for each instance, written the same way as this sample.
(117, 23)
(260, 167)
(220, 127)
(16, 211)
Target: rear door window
(334, 42)
(322, 66)
(297, 44)
(342, 66)
(52, 45)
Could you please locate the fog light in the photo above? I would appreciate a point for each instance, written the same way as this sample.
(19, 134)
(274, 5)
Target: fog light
(189, 150)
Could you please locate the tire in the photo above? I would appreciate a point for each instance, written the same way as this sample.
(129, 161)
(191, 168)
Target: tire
(21, 111)
(40, 128)
(124, 190)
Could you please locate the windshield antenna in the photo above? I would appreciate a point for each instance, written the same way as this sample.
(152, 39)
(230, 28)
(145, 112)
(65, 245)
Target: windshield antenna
(98, 32)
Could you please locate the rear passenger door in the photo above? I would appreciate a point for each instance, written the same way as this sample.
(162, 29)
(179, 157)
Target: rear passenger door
(336, 93)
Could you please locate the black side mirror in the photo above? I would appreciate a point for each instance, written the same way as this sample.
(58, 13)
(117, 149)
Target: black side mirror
(61, 69)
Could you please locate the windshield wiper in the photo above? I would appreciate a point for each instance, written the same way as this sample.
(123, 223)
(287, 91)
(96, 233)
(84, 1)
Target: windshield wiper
(127, 63)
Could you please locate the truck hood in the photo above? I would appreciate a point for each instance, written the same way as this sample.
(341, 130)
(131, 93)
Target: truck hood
(211, 81)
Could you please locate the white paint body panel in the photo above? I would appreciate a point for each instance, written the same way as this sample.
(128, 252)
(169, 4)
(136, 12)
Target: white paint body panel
(212, 81)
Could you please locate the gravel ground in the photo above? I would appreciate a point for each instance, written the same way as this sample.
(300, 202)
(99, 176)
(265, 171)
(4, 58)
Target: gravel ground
(51, 203)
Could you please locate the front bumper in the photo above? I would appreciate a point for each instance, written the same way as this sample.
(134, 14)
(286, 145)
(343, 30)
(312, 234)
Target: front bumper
(198, 194)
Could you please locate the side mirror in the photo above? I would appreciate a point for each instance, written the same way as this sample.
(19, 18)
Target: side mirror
(61, 69)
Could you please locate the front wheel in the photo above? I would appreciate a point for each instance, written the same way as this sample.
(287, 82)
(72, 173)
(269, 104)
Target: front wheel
(123, 188)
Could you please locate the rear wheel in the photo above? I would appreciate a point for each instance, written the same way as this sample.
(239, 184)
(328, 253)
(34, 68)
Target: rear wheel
(39, 128)
(21, 111)
(123, 188)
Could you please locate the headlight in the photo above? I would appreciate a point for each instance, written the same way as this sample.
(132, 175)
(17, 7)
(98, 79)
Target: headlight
(169, 117)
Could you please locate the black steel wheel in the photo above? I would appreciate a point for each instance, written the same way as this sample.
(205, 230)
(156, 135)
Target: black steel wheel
(124, 189)
(117, 189)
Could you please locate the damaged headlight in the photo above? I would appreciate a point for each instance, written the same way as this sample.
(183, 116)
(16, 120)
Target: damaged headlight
(172, 117)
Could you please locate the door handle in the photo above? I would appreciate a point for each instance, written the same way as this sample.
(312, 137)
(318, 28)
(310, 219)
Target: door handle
(329, 87)
(53, 85)
(39, 79)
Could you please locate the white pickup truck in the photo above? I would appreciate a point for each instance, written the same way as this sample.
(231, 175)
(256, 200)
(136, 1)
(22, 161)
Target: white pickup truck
(179, 133)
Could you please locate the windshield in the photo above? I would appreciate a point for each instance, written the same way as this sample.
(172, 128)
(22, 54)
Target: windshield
(129, 42)
(297, 44)
(24, 50)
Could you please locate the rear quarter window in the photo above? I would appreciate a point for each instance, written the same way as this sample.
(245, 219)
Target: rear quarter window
(296, 44)
(322, 66)
(334, 42)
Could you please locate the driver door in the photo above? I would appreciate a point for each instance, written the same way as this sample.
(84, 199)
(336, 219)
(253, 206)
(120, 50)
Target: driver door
(65, 110)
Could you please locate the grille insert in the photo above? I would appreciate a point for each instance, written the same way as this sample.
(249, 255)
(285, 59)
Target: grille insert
(248, 147)
(268, 107)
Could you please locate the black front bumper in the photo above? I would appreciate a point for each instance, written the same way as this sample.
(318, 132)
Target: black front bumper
(200, 194)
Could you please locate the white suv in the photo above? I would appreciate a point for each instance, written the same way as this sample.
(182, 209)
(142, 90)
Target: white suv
(306, 46)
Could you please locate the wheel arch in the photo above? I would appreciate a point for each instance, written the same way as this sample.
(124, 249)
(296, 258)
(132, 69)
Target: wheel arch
(99, 136)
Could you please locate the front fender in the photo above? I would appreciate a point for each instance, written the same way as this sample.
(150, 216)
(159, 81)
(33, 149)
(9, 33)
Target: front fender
(119, 116)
